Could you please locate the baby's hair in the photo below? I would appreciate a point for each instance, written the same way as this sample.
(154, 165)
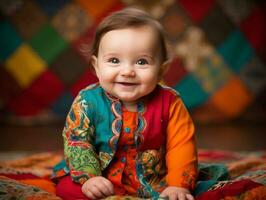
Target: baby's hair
(129, 17)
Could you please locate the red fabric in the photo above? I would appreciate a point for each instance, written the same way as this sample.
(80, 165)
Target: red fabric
(38, 96)
(68, 190)
(197, 9)
(254, 28)
(231, 189)
(175, 72)
(88, 78)
(157, 105)
(115, 7)
(217, 155)
(20, 176)
(8, 91)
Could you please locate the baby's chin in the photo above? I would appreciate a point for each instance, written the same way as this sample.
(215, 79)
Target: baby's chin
(129, 100)
(127, 96)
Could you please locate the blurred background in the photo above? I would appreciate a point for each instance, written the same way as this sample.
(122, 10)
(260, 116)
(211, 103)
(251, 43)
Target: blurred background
(219, 57)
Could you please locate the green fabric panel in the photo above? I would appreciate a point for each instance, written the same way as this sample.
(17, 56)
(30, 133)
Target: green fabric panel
(48, 43)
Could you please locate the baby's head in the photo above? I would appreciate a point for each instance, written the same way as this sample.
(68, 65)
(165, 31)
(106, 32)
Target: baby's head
(129, 54)
(130, 18)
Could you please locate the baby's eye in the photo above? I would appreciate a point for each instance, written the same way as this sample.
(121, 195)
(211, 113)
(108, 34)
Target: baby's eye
(142, 62)
(113, 60)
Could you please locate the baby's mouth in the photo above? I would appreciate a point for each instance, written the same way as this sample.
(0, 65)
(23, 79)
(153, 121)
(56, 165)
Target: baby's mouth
(126, 83)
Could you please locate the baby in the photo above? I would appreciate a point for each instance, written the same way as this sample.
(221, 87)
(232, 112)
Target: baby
(127, 134)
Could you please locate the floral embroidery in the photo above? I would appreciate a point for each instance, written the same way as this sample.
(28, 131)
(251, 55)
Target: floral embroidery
(189, 176)
(141, 124)
(79, 152)
(153, 162)
(104, 158)
(117, 123)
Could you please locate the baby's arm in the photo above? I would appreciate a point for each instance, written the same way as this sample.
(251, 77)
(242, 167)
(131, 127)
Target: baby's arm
(97, 187)
(181, 153)
(79, 150)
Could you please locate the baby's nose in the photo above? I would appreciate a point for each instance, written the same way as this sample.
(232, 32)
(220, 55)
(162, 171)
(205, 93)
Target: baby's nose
(128, 71)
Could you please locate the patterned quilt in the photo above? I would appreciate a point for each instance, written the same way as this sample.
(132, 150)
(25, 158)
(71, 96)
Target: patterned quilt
(222, 175)
(218, 50)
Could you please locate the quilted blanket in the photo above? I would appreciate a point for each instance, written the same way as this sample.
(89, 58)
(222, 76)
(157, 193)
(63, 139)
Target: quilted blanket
(218, 51)
(222, 175)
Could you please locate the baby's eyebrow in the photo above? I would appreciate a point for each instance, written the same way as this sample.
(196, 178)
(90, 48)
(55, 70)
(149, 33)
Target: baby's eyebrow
(144, 55)
(110, 54)
(147, 56)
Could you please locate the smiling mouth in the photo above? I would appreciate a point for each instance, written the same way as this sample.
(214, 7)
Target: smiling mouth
(126, 84)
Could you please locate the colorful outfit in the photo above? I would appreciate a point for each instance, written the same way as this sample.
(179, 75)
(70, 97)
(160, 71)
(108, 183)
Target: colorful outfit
(141, 152)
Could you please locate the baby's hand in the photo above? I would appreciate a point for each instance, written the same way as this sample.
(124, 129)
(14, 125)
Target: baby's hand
(174, 193)
(97, 187)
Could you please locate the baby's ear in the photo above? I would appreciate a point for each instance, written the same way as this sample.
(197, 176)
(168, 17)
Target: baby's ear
(94, 61)
(164, 68)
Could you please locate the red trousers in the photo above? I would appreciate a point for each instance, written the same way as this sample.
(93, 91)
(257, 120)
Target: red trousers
(68, 190)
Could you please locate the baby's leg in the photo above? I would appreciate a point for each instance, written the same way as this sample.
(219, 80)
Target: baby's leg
(68, 190)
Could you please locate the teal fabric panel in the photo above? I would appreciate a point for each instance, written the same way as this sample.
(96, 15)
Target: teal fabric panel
(9, 40)
(191, 91)
(236, 51)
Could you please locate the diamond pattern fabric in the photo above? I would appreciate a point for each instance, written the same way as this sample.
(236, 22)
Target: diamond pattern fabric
(218, 49)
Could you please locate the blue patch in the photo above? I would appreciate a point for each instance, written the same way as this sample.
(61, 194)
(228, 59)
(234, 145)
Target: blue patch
(63, 104)
(51, 7)
(123, 160)
(127, 130)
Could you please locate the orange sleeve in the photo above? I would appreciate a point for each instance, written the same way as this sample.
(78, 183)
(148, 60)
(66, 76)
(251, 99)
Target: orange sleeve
(181, 153)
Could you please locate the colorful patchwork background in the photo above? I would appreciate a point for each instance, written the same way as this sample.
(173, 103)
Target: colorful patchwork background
(219, 50)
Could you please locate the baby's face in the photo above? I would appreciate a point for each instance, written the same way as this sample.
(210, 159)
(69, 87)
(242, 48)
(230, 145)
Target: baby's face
(128, 63)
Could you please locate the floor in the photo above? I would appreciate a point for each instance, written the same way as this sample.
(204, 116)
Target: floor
(238, 137)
